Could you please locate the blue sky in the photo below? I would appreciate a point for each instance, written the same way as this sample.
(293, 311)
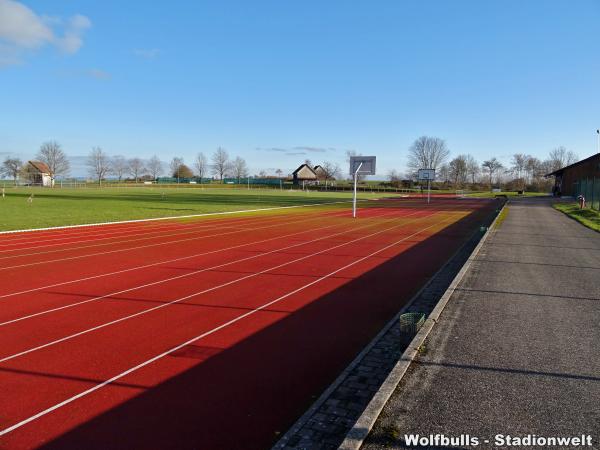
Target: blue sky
(280, 81)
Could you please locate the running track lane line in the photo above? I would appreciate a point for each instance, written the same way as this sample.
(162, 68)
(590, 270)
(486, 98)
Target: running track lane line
(64, 227)
(132, 248)
(147, 235)
(119, 233)
(65, 235)
(105, 244)
(214, 288)
(187, 257)
(166, 280)
(203, 335)
(112, 230)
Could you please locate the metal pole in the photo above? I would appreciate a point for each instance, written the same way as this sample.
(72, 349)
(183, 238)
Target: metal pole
(355, 182)
(428, 190)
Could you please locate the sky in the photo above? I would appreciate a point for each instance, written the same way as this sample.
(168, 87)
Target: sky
(277, 82)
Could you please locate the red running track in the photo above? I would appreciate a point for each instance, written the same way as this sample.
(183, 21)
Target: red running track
(203, 334)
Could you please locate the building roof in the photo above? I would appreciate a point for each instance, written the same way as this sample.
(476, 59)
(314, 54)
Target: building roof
(305, 166)
(40, 166)
(562, 169)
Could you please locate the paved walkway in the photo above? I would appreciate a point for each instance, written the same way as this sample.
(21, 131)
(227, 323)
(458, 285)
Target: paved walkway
(517, 348)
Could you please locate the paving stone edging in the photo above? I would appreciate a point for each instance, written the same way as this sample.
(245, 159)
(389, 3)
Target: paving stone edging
(346, 411)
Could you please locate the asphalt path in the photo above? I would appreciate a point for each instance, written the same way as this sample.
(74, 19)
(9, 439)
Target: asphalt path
(517, 349)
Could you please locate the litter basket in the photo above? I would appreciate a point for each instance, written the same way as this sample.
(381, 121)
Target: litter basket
(410, 323)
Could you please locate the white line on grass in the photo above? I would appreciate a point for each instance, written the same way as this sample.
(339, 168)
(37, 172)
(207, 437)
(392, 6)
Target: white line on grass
(37, 263)
(171, 217)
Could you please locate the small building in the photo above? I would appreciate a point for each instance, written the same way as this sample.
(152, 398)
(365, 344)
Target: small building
(39, 174)
(304, 175)
(581, 178)
(321, 173)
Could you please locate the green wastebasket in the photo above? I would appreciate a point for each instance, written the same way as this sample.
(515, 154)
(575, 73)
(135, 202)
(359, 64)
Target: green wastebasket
(411, 322)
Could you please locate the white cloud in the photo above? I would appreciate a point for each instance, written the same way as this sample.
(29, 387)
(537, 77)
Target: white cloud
(73, 37)
(146, 53)
(21, 30)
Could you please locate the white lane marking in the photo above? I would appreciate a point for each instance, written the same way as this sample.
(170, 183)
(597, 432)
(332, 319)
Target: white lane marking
(171, 217)
(70, 258)
(172, 302)
(165, 280)
(201, 226)
(51, 236)
(183, 257)
(200, 336)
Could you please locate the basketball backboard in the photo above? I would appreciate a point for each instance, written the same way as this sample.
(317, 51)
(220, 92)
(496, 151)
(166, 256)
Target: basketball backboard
(426, 174)
(367, 167)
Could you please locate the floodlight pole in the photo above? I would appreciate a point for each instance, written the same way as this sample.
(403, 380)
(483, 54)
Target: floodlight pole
(355, 183)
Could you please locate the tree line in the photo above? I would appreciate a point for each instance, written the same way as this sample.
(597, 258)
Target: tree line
(100, 165)
(524, 172)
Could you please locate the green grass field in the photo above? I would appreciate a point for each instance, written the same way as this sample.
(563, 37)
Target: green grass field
(57, 207)
(588, 217)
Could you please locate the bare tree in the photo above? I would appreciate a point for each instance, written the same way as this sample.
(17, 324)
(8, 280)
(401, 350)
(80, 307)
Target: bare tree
(175, 167)
(239, 168)
(11, 167)
(518, 163)
(220, 162)
(394, 176)
(427, 153)
(331, 170)
(458, 170)
(491, 166)
(135, 168)
(98, 164)
(54, 157)
(533, 169)
(561, 157)
(444, 173)
(118, 166)
(279, 173)
(201, 165)
(472, 168)
(155, 167)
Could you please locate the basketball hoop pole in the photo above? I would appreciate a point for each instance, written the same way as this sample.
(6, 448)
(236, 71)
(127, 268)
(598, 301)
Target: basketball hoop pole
(428, 190)
(355, 182)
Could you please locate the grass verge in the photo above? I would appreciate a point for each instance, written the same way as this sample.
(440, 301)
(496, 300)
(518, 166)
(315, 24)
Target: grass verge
(588, 217)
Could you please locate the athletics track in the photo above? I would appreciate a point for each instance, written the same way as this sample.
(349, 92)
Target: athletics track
(209, 333)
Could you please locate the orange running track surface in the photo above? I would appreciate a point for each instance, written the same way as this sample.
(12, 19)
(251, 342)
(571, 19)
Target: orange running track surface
(203, 334)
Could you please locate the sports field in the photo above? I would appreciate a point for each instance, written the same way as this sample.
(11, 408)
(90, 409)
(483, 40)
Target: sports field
(56, 207)
(205, 333)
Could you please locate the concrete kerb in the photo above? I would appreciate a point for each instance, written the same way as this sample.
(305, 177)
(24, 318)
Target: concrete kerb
(362, 427)
(282, 442)
(153, 219)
